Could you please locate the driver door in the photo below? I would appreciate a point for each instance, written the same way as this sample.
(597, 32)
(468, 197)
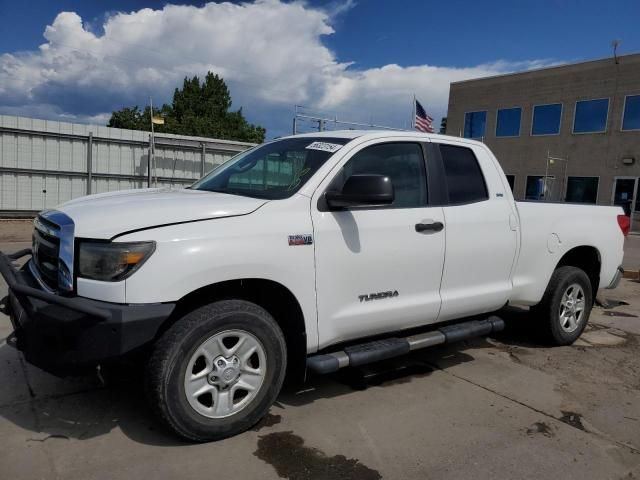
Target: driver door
(377, 269)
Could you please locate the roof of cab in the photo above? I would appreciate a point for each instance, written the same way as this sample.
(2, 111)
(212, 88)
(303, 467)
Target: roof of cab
(372, 134)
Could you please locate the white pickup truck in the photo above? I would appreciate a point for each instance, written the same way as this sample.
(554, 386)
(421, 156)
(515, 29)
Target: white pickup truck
(311, 252)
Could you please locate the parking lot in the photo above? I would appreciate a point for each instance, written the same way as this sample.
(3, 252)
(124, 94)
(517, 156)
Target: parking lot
(499, 407)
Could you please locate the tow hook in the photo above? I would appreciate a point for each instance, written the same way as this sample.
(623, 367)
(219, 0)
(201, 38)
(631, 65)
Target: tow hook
(12, 340)
(4, 305)
(99, 375)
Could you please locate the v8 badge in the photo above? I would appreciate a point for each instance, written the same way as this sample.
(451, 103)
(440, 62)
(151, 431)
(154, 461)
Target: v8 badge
(302, 239)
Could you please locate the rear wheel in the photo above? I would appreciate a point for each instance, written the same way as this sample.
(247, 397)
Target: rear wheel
(217, 370)
(564, 310)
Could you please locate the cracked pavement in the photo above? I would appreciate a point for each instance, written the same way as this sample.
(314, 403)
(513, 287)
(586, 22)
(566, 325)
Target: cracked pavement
(502, 407)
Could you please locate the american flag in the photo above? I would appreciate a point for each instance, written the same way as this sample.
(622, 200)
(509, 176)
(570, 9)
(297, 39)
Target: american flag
(424, 122)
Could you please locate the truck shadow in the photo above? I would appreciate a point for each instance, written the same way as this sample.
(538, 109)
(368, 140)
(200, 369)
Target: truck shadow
(52, 409)
(520, 331)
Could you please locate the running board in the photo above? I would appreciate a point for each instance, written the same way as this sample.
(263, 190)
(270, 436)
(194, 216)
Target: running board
(377, 350)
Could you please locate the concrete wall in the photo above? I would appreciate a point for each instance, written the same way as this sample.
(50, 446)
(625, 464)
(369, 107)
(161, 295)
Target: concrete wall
(44, 163)
(597, 154)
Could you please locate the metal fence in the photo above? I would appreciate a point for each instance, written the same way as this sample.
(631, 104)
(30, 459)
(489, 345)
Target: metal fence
(44, 163)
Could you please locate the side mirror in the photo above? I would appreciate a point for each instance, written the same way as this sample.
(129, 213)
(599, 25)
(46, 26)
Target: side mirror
(361, 190)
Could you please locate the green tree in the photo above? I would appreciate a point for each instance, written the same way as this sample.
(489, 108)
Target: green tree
(443, 125)
(129, 118)
(198, 108)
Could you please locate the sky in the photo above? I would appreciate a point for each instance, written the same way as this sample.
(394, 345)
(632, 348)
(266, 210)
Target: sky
(359, 60)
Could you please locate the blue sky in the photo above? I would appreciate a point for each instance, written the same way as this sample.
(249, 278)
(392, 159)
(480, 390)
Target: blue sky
(362, 59)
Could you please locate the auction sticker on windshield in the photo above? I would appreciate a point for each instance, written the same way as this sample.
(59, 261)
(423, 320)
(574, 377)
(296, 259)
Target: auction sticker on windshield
(324, 146)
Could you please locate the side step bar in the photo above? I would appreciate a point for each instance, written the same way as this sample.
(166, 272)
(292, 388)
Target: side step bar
(377, 350)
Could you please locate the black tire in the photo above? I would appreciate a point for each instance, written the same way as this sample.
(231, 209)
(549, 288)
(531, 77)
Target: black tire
(547, 312)
(170, 357)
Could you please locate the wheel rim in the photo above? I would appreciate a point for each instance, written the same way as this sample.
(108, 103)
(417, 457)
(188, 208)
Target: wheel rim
(572, 308)
(225, 373)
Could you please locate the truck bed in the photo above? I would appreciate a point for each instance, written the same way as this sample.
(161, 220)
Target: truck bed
(553, 228)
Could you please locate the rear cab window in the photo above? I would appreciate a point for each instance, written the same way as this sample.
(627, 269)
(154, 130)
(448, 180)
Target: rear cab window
(464, 178)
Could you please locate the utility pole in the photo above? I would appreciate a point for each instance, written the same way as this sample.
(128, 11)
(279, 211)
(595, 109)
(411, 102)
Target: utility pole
(615, 44)
(546, 177)
(551, 161)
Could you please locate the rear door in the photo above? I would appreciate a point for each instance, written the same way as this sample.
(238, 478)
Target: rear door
(375, 270)
(481, 232)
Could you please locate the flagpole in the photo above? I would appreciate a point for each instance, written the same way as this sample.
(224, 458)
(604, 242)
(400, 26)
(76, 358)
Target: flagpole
(413, 120)
(153, 145)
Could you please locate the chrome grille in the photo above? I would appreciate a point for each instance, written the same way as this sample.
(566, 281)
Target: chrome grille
(46, 249)
(52, 247)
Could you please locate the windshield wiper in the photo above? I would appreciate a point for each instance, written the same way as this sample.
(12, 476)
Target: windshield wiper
(213, 190)
(242, 193)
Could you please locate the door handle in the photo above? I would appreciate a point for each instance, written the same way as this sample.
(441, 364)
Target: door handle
(429, 227)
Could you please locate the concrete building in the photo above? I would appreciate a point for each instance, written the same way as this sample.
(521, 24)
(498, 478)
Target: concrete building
(567, 133)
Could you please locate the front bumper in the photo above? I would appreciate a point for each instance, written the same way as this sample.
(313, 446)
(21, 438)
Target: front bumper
(66, 335)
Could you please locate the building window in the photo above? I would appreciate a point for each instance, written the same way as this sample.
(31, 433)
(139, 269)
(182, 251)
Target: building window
(465, 181)
(512, 181)
(624, 191)
(591, 116)
(582, 190)
(546, 119)
(508, 122)
(474, 124)
(536, 188)
(631, 117)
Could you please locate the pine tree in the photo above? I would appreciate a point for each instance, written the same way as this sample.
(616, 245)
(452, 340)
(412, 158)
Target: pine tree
(200, 109)
(443, 125)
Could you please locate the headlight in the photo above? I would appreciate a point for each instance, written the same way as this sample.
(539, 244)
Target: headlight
(112, 262)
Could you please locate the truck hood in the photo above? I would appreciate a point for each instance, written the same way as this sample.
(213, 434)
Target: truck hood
(106, 215)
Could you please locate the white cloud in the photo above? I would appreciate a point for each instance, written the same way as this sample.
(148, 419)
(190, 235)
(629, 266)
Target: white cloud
(271, 54)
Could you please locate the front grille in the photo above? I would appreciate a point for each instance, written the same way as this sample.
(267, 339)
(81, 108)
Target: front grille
(46, 251)
(53, 244)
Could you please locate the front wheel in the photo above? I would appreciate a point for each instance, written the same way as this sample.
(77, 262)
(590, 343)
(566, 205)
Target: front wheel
(217, 370)
(564, 310)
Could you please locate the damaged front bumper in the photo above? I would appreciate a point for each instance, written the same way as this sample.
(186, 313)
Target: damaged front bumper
(66, 335)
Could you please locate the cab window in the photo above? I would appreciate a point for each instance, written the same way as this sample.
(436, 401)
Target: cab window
(402, 162)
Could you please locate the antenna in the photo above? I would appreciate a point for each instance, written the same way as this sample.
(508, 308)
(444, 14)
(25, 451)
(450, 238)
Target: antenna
(615, 44)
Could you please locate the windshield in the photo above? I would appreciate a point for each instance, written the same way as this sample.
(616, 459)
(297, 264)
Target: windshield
(274, 171)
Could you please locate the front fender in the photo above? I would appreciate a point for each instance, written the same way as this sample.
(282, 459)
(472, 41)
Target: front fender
(191, 256)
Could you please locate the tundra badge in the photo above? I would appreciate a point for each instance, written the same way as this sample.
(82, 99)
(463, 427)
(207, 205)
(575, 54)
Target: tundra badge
(378, 296)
